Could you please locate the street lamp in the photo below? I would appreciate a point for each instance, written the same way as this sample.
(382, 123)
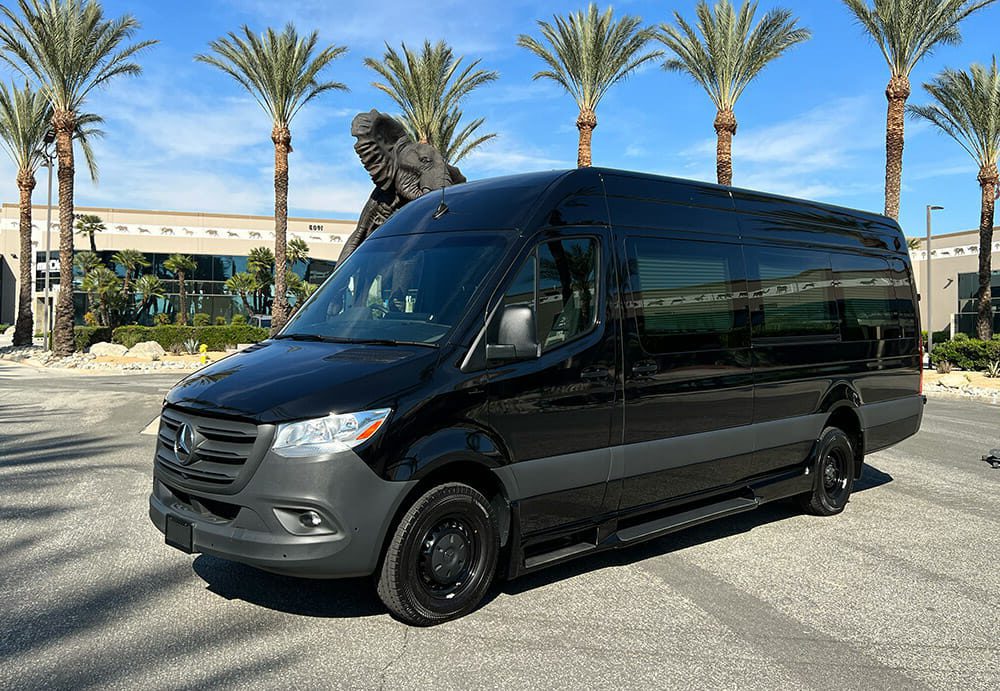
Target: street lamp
(930, 326)
(49, 156)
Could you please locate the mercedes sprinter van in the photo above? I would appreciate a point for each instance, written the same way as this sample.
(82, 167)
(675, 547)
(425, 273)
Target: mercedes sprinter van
(515, 372)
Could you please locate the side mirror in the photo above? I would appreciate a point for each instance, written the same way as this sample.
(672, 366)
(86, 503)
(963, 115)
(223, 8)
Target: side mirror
(515, 335)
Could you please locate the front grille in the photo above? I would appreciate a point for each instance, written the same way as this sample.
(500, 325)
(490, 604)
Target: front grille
(223, 449)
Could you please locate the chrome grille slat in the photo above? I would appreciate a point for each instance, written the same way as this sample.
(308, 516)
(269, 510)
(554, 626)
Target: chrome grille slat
(223, 450)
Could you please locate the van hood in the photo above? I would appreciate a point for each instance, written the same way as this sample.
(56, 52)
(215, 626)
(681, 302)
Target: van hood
(277, 381)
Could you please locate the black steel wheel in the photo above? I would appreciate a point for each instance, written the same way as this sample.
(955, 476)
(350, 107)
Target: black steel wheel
(833, 472)
(442, 558)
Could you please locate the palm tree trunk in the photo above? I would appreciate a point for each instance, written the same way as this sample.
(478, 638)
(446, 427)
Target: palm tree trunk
(24, 326)
(897, 91)
(988, 176)
(93, 242)
(64, 123)
(586, 122)
(182, 315)
(246, 304)
(725, 129)
(282, 138)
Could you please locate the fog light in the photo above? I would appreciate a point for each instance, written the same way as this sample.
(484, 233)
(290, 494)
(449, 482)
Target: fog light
(310, 519)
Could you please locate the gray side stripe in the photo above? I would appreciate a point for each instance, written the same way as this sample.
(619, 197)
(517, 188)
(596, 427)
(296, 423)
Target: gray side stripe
(875, 414)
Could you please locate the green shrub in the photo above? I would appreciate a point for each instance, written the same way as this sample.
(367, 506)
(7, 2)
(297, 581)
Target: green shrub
(161, 319)
(220, 321)
(239, 320)
(86, 336)
(969, 354)
(202, 319)
(961, 336)
(4, 327)
(215, 337)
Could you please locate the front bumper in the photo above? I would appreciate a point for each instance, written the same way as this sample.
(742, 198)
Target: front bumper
(356, 506)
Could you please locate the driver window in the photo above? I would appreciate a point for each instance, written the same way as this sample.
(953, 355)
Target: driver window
(564, 293)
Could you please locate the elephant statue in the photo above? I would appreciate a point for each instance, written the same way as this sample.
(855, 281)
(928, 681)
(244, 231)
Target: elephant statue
(401, 169)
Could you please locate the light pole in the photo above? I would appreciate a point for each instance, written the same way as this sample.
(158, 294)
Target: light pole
(930, 326)
(50, 137)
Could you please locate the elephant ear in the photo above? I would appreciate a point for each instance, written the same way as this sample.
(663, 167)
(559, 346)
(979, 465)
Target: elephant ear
(377, 136)
(456, 175)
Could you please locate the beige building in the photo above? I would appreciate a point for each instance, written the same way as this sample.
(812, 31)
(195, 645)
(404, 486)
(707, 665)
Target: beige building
(954, 264)
(218, 242)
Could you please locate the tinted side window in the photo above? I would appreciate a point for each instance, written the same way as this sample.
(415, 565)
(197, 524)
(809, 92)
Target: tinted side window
(686, 295)
(559, 281)
(795, 289)
(869, 300)
(905, 305)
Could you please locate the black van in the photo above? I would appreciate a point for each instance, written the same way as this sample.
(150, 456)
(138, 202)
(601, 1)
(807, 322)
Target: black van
(518, 371)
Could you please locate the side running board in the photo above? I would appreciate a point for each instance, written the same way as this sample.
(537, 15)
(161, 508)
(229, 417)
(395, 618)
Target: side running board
(678, 521)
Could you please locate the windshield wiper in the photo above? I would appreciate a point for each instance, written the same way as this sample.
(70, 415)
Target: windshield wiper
(312, 337)
(365, 341)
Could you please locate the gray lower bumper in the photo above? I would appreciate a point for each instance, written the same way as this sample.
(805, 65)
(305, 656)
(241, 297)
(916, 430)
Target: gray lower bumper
(356, 506)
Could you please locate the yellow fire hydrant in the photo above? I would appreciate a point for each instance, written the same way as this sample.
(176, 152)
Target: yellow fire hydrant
(203, 349)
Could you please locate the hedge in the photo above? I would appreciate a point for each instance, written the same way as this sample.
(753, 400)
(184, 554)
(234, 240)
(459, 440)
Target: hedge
(969, 354)
(215, 337)
(86, 336)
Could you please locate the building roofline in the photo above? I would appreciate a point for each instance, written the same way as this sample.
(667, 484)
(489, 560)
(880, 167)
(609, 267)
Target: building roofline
(923, 236)
(193, 214)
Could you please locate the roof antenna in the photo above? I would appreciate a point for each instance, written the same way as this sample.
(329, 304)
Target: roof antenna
(442, 207)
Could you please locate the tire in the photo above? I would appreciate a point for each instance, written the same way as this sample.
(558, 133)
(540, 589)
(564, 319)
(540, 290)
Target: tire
(442, 558)
(833, 474)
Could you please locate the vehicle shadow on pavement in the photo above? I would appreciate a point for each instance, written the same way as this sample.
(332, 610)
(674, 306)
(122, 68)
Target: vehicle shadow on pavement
(871, 477)
(349, 597)
(356, 597)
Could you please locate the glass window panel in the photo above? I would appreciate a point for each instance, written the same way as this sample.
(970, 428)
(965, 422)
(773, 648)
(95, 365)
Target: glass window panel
(796, 293)
(567, 290)
(866, 287)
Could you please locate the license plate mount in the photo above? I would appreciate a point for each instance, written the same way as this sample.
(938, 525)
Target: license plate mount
(178, 534)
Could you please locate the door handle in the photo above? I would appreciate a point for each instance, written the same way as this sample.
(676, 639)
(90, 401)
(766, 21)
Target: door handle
(645, 368)
(592, 373)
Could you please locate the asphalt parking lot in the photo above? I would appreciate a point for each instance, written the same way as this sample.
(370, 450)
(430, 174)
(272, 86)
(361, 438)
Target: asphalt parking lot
(900, 591)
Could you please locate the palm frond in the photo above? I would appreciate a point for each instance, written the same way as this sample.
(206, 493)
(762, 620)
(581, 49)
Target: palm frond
(280, 70)
(25, 116)
(725, 50)
(428, 87)
(966, 107)
(908, 30)
(588, 52)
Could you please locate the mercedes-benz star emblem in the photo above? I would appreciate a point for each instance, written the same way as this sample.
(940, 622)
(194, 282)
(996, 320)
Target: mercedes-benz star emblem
(184, 444)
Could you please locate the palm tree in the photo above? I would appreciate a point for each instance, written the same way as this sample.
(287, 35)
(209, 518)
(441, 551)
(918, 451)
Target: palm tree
(300, 290)
(588, 53)
(104, 289)
(69, 48)
(243, 284)
(24, 121)
(260, 265)
(967, 108)
(298, 251)
(906, 31)
(281, 71)
(428, 87)
(25, 116)
(131, 261)
(90, 224)
(180, 265)
(148, 288)
(730, 52)
(86, 261)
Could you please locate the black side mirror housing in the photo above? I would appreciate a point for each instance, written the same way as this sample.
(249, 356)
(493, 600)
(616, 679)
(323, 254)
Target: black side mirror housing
(515, 335)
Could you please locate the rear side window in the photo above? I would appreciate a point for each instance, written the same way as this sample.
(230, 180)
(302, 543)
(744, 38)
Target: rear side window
(868, 297)
(559, 281)
(687, 295)
(905, 305)
(795, 292)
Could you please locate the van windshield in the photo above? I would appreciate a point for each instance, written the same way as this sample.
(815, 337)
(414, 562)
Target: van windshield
(400, 289)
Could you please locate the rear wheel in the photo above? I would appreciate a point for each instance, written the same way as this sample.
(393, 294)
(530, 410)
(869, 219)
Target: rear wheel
(442, 557)
(833, 474)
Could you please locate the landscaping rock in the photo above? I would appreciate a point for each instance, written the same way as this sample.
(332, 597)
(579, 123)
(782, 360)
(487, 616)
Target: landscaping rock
(105, 349)
(147, 349)
(954, 381)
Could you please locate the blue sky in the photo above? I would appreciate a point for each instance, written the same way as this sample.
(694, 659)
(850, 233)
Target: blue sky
(185, 137)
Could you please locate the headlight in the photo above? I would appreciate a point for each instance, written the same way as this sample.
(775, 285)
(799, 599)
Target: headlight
(335, 432)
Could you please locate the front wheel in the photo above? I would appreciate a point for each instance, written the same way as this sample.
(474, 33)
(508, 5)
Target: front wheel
(833, 469)
(442, 557)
